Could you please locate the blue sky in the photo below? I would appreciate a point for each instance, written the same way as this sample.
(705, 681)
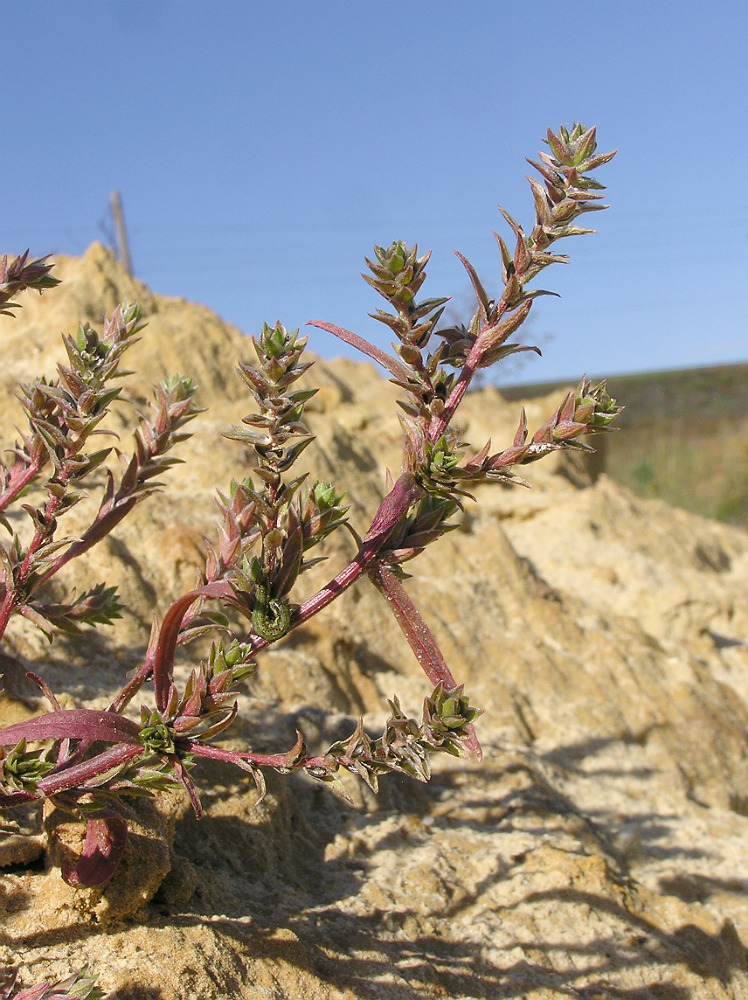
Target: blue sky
(262, 148)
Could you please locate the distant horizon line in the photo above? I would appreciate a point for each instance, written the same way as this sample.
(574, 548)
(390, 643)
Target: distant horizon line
(638, 373)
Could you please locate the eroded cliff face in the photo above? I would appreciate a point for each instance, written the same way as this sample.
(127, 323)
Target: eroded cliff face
(599, 849)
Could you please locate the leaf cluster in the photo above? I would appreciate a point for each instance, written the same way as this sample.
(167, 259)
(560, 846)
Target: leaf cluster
(80, 986)
(22, 273)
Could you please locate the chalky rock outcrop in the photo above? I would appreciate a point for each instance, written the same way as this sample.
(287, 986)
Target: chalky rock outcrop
(599, 850)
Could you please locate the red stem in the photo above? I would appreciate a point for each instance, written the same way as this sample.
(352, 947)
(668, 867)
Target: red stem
(440, 424)
(395, 505)
(13, 588)
(15, 487)
(6, 608)
(76, 776)
(260, 759)
(102, 526)
(134, 685)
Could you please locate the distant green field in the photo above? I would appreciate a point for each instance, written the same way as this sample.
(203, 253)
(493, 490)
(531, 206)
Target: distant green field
(683, 437)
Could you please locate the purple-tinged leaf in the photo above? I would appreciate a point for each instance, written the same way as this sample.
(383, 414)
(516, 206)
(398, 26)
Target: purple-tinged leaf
(41, 992)
(510, 456)
(476, 283)
(9, 976)
(189, 786)
(88, 772)
(566, 410)
(476, 462)
(597, 161)
(45, 689)
(75, 724)
(39, 620)
(521, 436)
(544, 434)
(296, 754)
(106, 839)
(516, 227)
(163, 658)
(566, 430)
(494, 336)
(384, 359)
(585, 144)
(10, 799)
(38, 992)
(541, 201)
(535, 293)
(547, 170)
(401, 497)
(557, 146)
(420, 639)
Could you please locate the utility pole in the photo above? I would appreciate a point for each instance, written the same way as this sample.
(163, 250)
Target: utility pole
(123, 247)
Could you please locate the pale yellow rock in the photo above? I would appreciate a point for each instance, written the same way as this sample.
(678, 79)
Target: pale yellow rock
(600, 848)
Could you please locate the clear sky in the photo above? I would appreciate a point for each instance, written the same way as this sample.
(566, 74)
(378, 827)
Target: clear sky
(262, 148)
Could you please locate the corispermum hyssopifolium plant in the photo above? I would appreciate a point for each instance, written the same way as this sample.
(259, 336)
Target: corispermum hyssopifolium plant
(272, 528)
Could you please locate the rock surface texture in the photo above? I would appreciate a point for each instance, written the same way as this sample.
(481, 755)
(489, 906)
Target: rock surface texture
(599, 851)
